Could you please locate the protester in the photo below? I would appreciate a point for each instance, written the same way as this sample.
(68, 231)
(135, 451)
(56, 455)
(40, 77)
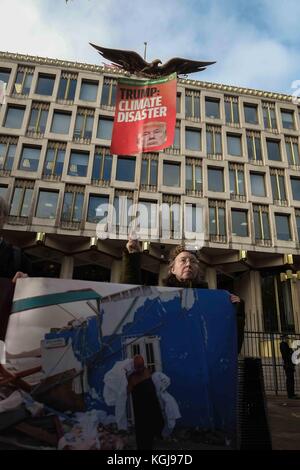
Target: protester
(289, 367)
(183, 271)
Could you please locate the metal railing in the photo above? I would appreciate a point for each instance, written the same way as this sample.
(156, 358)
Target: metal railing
(266, 346)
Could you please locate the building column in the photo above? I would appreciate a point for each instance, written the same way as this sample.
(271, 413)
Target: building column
(115, 271)
(67, 266)
(211, 277)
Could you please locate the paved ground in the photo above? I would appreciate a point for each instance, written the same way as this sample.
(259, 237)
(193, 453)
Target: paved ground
(284, 421)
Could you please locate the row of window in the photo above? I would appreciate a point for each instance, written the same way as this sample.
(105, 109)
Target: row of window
(84, 123)
(126, 170)
(89, 91)
(72, 212)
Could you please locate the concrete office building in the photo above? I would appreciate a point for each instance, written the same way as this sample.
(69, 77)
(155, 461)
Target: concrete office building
(236, 151)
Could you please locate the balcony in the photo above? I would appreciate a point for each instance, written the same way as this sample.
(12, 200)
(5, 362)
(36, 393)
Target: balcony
(18, 220)
(148, 187)
(218, 238)
(263, 242)
(215, 156)
(70, 225)
(238, 197)
(102, 183)
(281, 202)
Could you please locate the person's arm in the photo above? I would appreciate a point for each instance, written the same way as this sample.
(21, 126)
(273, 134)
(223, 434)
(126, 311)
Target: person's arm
(131, 263)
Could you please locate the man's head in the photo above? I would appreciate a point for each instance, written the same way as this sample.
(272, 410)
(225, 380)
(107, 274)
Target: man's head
(3, 212)
(152, 135)
(284, 338)
(138, 363)
(184, 264)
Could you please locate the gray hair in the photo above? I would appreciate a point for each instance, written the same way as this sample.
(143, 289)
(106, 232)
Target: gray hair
(3, 208)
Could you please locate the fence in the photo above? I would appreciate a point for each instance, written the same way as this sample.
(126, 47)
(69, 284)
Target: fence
(266, 346)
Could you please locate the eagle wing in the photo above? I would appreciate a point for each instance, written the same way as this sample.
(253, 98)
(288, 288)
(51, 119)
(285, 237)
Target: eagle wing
(183, 66)
(129, 60)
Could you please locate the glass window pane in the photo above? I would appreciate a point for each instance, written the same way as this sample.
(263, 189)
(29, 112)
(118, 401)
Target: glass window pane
(266, 226)
(104, 130)
(257, 226)
(212, 108)
(62, 88)
(105, 94)
(282, 188)
(30, 159)
(251, 114)
(298, 226)
(153, 172)
(171, 174)
(283, 227)
(234, 145)
(26, 202)
(144, 171)
(188, 177)
(47, 203)
(125, 169)
(78, 164)
(239, 223)
(107, 167)
(3, 191)
(45, 85)
(192, 139)
(212, 221)
(296, 188)
(97, 209)
(61, 122)
(14, 117)
(215, 180)
(241, 183)
(232, 179)
(15, 207)
(176, 143)
(188, 106)
(287, 119)
(222, 222)
(67, 207)
(4, 75)
(88, 91)
(258, 185)
(273, 150)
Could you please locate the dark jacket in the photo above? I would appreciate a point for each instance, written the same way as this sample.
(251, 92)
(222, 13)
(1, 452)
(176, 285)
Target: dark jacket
(12, 259)
(286, 353)
(131, 274)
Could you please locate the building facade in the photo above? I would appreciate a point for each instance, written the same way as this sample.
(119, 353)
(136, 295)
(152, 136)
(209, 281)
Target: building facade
(236, 151)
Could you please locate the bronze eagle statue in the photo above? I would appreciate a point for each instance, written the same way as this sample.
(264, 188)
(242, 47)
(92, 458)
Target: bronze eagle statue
(132, 62)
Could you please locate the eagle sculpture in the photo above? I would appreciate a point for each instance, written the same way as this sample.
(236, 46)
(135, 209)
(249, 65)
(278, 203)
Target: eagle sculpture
(132, 62)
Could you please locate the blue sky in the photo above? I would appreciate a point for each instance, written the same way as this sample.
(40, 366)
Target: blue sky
(256, 43)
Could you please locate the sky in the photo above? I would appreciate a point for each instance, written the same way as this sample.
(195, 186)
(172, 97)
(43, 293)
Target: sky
(255, 42)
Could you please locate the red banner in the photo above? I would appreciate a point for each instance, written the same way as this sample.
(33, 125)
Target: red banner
(145, 115)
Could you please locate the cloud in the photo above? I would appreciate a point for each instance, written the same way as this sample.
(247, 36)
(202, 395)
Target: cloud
(255, 45)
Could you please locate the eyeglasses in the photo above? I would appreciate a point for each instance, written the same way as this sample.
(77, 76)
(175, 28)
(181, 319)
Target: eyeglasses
(190, 260)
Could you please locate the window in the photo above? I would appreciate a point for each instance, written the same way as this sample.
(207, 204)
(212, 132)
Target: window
(30, 158)
(239, 223)
(102, 165)
(254, 147)
(215, 179)
(213, 141)
(108, 96)
(147, 215)
(123, 211)
(104, 130)
(4, 75)
(7, 153)
(278, 186)
(176, 143)
(298, 223)
(193, 139)
(148, 347)
(292, 150)
(273, 147)
(212, 108)
(231, 110)
(217, 221)
(283, 229)
(171, 174)
(296, 188)
(67, 86)
(258, 187)
(171, 217)
(287, 118)
(193, 176)
(269, 115)
(84, 124)
(261, 222)
(88, 90)
(125, 169)
(192, 104)
(14, 116)
(237, 182)
(23, 80)
(234, 145)
(73, 203)
(3, 191)
(149, 170)
(178, 103)
(21, 200)
(78, 163)
(97, 209)
(54, 161)
(47, 204)
(45, 84)
(250, 112)
(61, 122)
(38, 118)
